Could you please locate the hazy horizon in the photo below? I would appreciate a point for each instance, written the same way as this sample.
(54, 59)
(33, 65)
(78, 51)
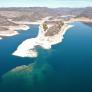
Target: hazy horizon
(41, 7)
(47, 3)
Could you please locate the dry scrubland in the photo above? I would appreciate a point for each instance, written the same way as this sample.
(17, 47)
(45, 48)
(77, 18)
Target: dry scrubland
(12, 19)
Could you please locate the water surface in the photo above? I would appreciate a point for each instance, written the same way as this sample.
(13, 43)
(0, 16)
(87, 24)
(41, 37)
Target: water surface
(66, 67)
(9, 45)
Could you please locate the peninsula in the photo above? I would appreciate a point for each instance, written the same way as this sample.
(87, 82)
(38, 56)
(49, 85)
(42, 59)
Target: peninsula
(53, 23)
(50, 33)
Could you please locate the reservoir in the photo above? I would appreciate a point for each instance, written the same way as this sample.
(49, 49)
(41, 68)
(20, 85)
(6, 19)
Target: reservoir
(10, 44)
(66, 67)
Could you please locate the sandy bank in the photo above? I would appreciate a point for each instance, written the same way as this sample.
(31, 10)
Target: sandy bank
(12, 30)
(27, 48)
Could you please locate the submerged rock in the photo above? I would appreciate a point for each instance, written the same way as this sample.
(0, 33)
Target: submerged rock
(31, 78)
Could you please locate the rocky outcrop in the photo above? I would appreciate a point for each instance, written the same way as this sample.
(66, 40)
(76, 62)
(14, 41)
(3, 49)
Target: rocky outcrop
(53, 30)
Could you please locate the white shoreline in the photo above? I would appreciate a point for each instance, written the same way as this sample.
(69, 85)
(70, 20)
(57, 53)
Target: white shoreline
(12, 30)
(27, 48)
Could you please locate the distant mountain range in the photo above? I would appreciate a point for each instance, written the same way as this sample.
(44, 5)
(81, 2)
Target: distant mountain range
(15, 17)
(35, 13)
(87, 12)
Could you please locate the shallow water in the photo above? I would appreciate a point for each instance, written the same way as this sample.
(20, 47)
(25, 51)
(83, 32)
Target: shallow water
(67, 67)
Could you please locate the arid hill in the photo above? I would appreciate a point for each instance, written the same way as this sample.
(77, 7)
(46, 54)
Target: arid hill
(13, 15)
(87, 12)
(36, 13)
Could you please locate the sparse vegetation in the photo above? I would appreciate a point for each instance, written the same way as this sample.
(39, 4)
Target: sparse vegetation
(54, 29)
(9, 16)
(60, 24)
(45, 26)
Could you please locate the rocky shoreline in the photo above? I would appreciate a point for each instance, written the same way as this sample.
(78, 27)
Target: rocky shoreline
(27, 48)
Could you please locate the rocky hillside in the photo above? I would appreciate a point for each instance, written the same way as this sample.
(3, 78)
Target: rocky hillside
(87, 12)
(36, 13)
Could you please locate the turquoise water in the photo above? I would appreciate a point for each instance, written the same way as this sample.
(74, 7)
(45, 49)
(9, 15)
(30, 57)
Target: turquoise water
(67, 67)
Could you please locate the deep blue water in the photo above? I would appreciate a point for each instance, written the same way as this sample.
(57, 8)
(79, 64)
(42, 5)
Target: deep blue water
(69, 64)
(73, 59)
(9, 45)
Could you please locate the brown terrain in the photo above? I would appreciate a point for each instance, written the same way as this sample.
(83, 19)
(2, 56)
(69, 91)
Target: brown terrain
(9, 16)
(54, 29)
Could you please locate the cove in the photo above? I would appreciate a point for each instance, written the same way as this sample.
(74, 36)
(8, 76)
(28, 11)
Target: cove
(66, 67)
(8, 45)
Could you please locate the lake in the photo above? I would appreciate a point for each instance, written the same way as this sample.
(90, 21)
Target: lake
(9, 45)
(66, 67)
